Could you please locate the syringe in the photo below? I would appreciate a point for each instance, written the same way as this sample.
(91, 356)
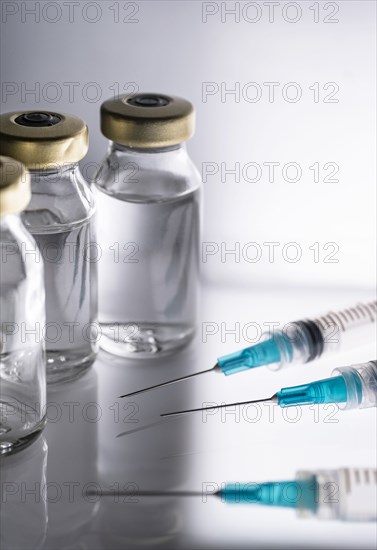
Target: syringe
(347, 494)
(353, 387)
(299, 342)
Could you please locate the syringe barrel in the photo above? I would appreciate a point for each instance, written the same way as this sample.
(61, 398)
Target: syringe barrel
(308, 339)
(361, 384)
(348, 494)
(350, 327)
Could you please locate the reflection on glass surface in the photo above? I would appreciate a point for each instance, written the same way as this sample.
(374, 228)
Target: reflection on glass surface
(23, 512)
(140, 451)
(73, 413)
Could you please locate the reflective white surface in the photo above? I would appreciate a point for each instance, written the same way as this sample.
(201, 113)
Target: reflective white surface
(97, 441)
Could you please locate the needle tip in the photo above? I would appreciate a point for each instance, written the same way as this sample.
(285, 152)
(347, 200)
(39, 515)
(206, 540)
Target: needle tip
(134, 393)
(216, 367)
(175, 413)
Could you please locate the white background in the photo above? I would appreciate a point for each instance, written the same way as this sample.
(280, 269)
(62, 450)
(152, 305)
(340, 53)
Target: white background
(177, 47)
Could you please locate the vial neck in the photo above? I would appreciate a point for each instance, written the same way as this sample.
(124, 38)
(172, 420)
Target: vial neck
(145, 151)
(54, 173)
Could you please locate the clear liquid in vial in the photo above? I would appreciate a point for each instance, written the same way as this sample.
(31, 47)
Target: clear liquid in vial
(22, 413)
(71, 286)
(148, 273)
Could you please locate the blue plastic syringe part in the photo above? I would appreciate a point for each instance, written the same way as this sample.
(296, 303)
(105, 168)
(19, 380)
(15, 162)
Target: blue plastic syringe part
(305, 340)
(348, 494)
(299, 342)
(353, 387)
(287, 494)
(272, 351)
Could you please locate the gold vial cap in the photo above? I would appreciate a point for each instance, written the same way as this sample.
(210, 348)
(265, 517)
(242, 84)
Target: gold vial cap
(147, 120)
(43, 139)
(15, 191)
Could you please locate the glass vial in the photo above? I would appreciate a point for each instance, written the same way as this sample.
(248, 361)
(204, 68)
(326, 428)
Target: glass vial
(60, 217)
(149, 195)
(22, 317)
(24, 498)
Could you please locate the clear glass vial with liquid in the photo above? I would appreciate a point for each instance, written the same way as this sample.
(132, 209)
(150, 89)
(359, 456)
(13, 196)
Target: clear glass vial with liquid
(22, 317)
(60, 217)
(149, 195)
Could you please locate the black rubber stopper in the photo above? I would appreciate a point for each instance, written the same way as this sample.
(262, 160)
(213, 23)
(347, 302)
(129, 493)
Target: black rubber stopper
(315, 337)
(148, 100)
(38, 119)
